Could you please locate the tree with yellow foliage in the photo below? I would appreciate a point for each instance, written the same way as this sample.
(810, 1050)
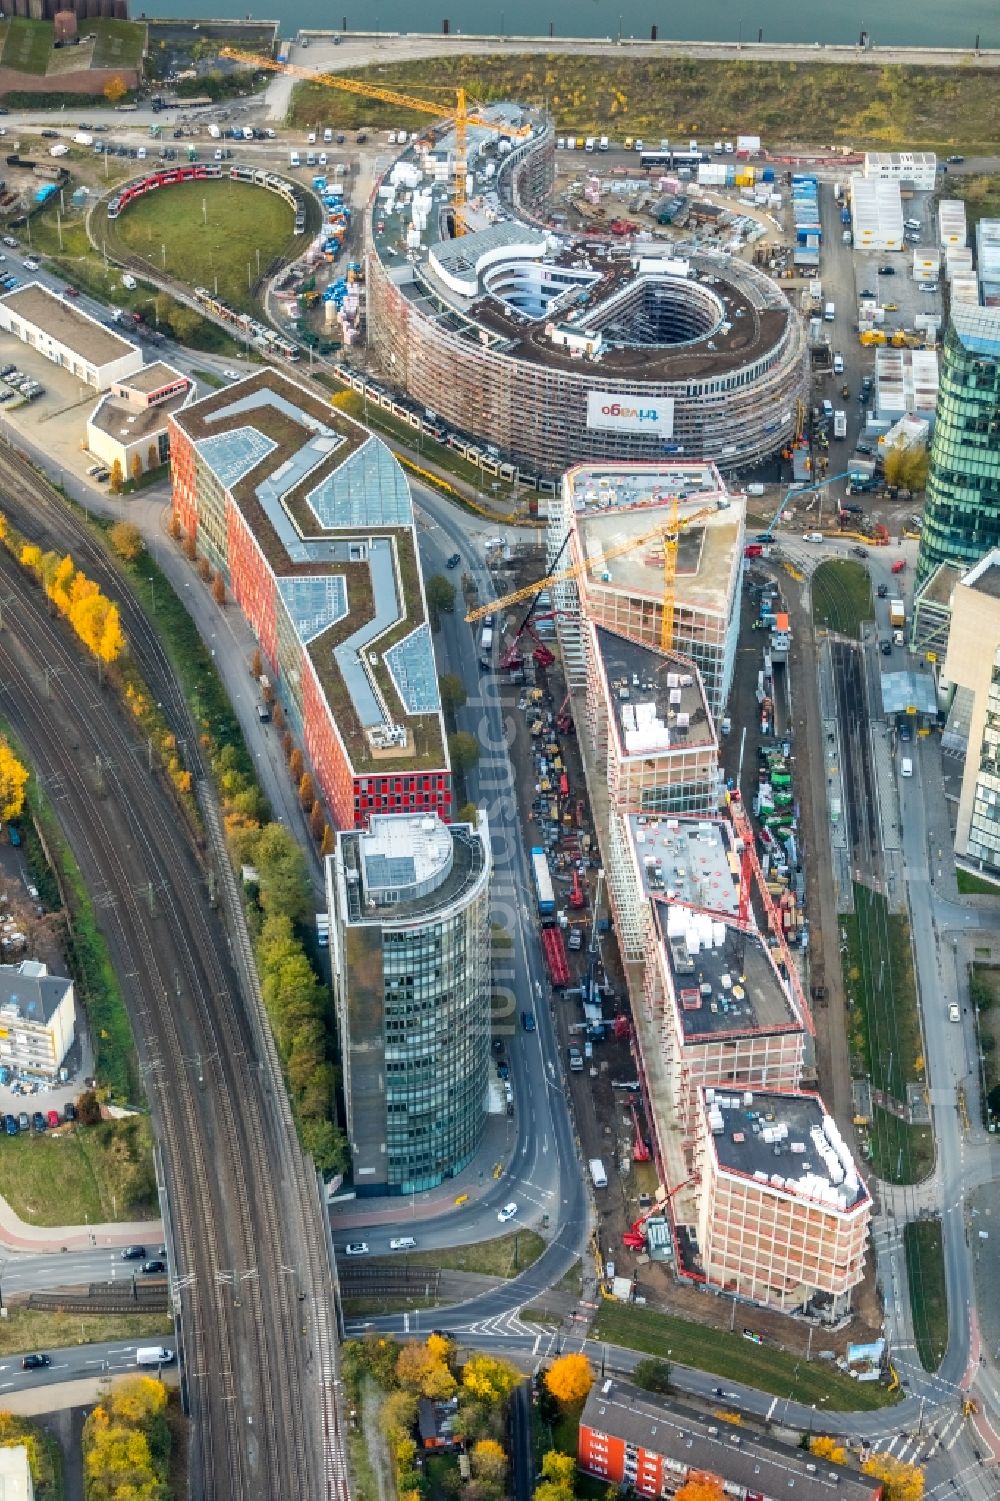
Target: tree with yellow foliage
(31, 557)
(60, 582)
(701, 1488)
(558, 1475)
(489, 1380)
(828, 1448)
(13, 780)
(115, 89)
(569, 1378)
(489, 1462)
(126, 1443)
(425, 1371)
(117, 477)
(126, 539)
(901, 1481)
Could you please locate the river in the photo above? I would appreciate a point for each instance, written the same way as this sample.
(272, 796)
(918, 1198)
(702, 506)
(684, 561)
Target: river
(889, 23)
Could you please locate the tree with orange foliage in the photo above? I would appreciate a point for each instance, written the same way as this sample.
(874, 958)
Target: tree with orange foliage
(317, 823)
(278, 717)
(307, 792)
(204, 570)
(174, 526)
(296, 765)
(190, 549)
(219, 590)
(901, 1481)
(701, 1488)
(287, 744)
(329, 844)
(569, 1378)
(256, 663)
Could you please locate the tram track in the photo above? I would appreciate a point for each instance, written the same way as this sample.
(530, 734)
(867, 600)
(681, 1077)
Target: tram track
(252, 1284)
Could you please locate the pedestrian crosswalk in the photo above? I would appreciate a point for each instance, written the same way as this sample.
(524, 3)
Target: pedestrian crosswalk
(915, 1448)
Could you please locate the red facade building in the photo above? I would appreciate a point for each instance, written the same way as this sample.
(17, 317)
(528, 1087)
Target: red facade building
(308, 518)
(654, 1447)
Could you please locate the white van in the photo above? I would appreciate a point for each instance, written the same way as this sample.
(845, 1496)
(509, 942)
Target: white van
(838, 364)
(294, 159)
(906, 767)
(154, 1355)
(829, 313)
(328, 135)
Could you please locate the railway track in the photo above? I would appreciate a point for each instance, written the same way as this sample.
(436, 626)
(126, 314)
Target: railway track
(252, 1280)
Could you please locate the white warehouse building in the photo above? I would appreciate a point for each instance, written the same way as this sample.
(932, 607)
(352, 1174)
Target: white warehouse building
(68, 337)
(911, 169)
(876, 213)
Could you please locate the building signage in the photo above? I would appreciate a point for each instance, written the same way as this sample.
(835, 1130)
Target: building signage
(630, 414)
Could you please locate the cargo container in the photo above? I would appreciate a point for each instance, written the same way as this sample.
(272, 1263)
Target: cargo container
(543, 883)
(897, 614)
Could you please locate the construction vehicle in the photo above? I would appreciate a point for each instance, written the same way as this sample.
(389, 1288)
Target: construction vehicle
(461, 119)
(667, 533)
(795, 492)
(577, 897)
(635, 1237)
(640, 1146)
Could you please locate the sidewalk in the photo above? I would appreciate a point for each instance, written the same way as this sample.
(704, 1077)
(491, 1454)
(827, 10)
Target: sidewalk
(401, 1210)
(17, 1235)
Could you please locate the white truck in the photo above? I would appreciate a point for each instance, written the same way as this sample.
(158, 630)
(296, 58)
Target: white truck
(840, 424)
(83, 138)
(597, 1173)
(829, 312)
(153, 1355)
(215, 132)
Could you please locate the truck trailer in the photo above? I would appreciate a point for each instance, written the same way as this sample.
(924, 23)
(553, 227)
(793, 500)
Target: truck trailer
(897, 614)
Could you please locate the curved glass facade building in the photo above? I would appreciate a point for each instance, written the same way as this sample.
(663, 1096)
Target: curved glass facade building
(410, 957)
(962, 514)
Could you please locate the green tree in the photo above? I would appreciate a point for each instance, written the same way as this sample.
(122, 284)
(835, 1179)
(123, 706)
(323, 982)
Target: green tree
(453, 692)
(463, 749)
(284, 875)
(440, 597)
(652, 1375)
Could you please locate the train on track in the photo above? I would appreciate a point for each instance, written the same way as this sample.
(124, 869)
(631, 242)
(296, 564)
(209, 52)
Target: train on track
(166, 177)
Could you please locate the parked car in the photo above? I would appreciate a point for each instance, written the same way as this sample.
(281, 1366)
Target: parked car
(52, 1116)
(10, 1125)
(38, 1121)
(69, 1111)
(23, 1123)
(886, 270)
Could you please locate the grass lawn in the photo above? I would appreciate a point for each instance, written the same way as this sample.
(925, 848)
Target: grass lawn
(37, 1329)
(842, 597)
(27, 45)
(206, 378)
(734, 1358)
(494, 1258)
(928, 1300)
(984, 992)
(119, 43)
(970, 885)
(981, 196)
(44, 1451)
(884, 1030)
(209, 230)
(677, 97)
(91, 1173)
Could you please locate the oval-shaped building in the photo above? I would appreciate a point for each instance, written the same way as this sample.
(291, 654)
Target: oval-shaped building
(559, 349)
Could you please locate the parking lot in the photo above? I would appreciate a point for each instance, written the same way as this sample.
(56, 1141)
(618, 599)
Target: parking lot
(54, 418)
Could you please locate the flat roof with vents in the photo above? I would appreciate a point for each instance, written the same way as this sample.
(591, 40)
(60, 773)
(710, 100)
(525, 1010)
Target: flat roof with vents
(788, 1142)
(658, 701)
(724, 980)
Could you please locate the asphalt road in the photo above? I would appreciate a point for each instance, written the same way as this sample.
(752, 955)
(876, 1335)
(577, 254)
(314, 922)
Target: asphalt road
(544, 1174)
(245, 1240)
(80, 1361)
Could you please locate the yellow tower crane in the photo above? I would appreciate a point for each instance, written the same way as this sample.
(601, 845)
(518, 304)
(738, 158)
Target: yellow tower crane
(667, 532)
(461, 119)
